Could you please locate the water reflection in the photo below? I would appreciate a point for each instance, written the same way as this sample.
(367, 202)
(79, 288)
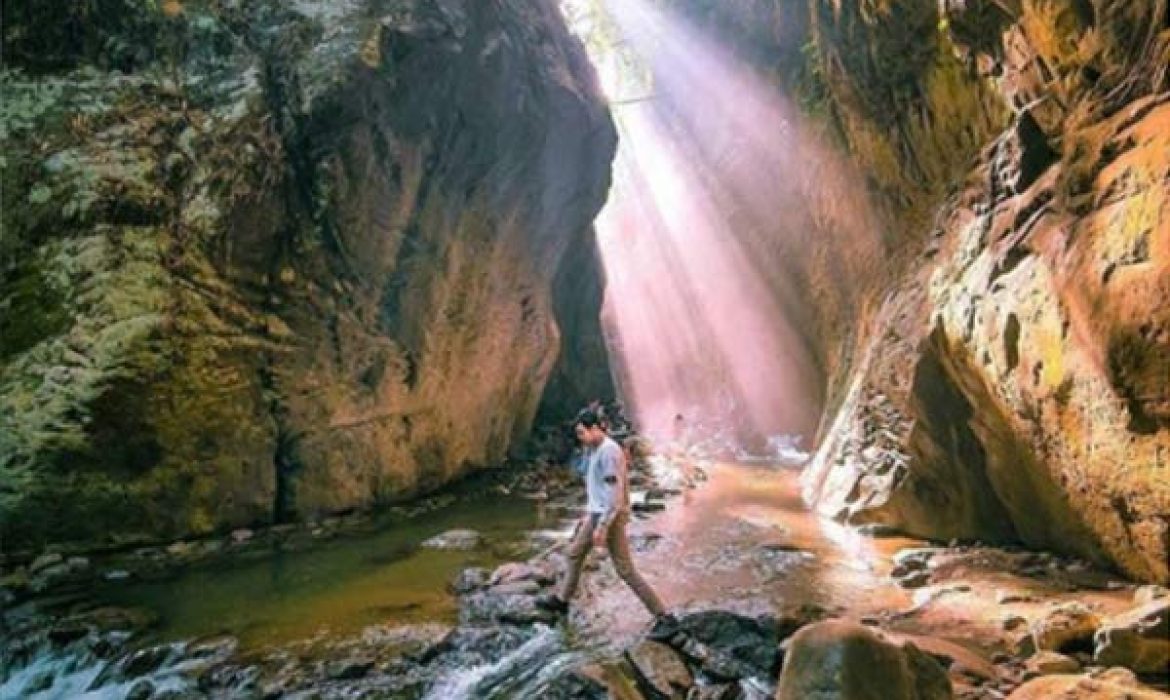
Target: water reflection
(745, 541)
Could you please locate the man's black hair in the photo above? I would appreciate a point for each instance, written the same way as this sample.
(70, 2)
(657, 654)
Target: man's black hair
(589, 419)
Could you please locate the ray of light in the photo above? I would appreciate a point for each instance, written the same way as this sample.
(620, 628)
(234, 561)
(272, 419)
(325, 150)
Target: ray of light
(701, 316)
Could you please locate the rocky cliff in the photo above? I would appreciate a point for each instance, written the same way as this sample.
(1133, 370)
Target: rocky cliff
(267, 260)
(1015, 384)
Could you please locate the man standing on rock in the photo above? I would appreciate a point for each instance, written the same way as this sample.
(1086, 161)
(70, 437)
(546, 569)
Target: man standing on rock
(608, 512)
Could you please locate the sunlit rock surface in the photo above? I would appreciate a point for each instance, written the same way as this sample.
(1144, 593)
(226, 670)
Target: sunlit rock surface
(844, 661)
(1108, 686)
(1015, 384)
(265, 260)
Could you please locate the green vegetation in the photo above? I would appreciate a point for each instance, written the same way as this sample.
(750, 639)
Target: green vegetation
(115, 189)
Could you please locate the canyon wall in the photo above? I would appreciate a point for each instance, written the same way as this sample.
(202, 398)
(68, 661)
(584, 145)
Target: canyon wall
(266, 260)
(1015, 384)
(1006, 376)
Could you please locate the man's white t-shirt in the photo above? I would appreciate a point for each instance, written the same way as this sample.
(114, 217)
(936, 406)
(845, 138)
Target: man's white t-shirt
(605, 478)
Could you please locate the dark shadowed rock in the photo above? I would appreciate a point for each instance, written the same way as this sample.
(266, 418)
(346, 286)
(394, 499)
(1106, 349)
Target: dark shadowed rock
(1068, 627)
(576, 686)
(492, 607)
(1138, 639)
(349, 669)
(728, 646)
(142, 690)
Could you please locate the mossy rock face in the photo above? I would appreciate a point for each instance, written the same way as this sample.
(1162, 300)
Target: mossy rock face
(288, 261)
(34, 310)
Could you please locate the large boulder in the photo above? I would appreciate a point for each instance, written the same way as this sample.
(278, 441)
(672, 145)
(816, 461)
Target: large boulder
(836, 660)
(1138, 639)
(1067, 627)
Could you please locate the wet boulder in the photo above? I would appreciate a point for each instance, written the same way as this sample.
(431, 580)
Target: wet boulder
(455, 540)
(141, 690)
(659, 669)
(1048, 663)
(52, 569)
(1068, 627)
(39, 683)
(493, 607)
(727, 646)
(576, 686)
(138, 664)
(836, 660)
(517, 588)
(241, 535)
(1138, 639)
(65, 632)
(468, 580)
(522, 571)
(108, 618)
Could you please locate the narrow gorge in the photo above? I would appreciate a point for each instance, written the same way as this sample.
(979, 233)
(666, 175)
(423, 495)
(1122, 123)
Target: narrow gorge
(300, 303)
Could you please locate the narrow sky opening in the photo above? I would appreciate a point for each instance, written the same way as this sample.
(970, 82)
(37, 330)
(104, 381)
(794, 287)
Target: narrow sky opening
(695, 326)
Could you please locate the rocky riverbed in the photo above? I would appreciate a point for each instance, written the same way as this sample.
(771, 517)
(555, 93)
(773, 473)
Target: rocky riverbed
(280, 601)
(773, 601)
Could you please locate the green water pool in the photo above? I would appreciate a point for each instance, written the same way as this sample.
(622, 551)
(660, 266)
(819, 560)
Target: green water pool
(338, 587)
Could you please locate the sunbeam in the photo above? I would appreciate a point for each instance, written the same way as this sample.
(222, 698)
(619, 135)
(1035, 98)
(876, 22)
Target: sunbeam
(709, 166)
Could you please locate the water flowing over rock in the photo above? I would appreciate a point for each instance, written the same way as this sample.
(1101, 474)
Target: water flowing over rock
(282, 259)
